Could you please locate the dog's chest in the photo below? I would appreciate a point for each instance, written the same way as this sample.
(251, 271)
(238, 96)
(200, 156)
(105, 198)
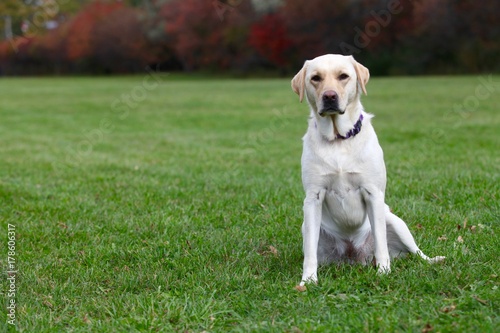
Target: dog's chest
(341, 173)
(343, 187)
(341, 170)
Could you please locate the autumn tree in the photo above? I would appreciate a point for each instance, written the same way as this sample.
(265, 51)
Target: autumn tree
(119, 43)
(479, 31)
(78, 44)
(317, 27)
(270, 39)
(208, 34)
(390, 37)
(13, 11)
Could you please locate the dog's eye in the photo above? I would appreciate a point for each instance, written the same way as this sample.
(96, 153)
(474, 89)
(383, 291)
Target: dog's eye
(316, 78)
(343, 77)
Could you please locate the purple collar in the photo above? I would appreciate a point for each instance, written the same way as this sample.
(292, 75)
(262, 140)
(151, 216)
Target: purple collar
(353, 131)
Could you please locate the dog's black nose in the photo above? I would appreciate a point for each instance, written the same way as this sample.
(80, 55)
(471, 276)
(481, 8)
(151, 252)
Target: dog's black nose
(329, 96)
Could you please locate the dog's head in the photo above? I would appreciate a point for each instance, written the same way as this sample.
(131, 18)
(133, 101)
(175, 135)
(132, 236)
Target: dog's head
(330, 83)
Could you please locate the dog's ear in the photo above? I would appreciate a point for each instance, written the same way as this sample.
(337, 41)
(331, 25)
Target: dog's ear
(362, 73)
(299, 81)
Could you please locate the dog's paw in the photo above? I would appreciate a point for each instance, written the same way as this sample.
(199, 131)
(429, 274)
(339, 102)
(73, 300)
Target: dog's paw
(302, 285)
(383, 270)
(383, 266)
(436, 260)
(309, 278)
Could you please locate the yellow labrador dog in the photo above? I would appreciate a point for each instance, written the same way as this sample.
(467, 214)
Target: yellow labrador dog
(343, 173)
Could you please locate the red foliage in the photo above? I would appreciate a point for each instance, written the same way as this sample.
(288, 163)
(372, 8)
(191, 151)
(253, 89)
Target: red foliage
(22, 47)
(6, 50)
(386, 26)
(50, 45)
(79, 45)
(207, 34)
(269, 37)
(316, 27)
(119, 42)
(479, 19)
(112, 36)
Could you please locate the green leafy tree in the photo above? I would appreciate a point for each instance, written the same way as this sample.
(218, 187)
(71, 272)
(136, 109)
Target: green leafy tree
(29, 17)
(12, 12)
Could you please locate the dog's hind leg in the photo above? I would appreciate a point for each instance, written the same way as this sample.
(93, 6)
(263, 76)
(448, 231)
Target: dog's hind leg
(400, 239)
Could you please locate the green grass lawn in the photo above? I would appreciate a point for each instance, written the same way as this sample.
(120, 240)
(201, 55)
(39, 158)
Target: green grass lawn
(178, 209)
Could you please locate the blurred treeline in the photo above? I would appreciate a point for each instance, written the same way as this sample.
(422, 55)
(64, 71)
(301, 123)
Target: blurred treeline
(247, 36)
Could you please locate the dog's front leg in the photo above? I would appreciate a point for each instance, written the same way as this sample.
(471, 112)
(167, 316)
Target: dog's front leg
(375, 204)
(310, 234)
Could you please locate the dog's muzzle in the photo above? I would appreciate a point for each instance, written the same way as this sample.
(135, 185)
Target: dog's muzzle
(330, 101)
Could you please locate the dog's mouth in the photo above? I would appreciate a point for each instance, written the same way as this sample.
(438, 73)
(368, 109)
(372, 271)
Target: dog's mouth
(330, 107)
(330, 111)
